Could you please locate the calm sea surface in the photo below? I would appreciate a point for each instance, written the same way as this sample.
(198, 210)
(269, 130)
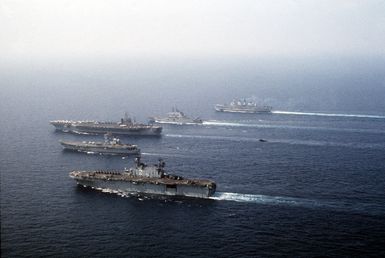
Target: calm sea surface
(316, 187)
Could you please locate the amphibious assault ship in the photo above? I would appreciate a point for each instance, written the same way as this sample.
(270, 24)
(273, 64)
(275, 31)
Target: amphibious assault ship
(125, 127)
(243, 106)
(110, 146)
(144, 179)
(176, 117)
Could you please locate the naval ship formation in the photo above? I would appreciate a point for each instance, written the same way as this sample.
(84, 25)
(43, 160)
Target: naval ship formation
(125, 127)
(110, 146)
(144, 179)
(243, 106)
(176, 117)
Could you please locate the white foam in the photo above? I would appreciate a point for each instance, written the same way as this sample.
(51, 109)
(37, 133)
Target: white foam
(163, 154)
(364, 208)
(78, 132)
(282, 126)
(283, 141)
(327, 114)
(224, 123)
(177, 123)
(258, 198)
(152, 154)
(356, 207)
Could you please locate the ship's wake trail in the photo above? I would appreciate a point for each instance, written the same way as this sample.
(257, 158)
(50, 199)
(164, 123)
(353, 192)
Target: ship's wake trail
(155, 154)
(354, 207)
(259, 198)
(225, 123)
(283, 141)
(327, 114)
(164, 155)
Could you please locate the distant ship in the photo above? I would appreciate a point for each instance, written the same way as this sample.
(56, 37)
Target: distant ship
(125, 127)
(144, 179)
(176, 117)
(243, 106)
(110, 146)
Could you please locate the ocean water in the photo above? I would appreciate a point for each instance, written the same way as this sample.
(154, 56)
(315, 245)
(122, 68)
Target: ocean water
(316, 187)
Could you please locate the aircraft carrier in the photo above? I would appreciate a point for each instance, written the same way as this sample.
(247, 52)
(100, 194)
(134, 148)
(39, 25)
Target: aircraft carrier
(176, 117)
(144, 179)
(243, 106)
(125, 127)
(110, 146)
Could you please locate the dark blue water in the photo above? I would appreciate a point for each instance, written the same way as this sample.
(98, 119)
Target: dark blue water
(315, 188)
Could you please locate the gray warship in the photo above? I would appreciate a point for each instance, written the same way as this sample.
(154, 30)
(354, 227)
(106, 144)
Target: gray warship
(126, 126)
(243, 106)
(145, 179)
(176, 117)
(110, 146)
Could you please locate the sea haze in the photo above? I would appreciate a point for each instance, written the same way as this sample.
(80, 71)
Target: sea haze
(314, 187)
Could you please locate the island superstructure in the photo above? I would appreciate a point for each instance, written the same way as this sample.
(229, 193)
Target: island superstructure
(110, 146)
(126, 126)
(243, 106)
(145, 179)
(176, 117)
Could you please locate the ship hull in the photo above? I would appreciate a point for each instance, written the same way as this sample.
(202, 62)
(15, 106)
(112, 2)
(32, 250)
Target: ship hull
(139, 187)
(177, 122)
(156, 131)
(176, 117)
(62, 126)
(242, 110)
(101, 149)
(77, 128)
(145, 180)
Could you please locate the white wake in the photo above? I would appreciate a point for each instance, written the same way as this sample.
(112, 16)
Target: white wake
(362, 208)
(224, 123)
(342, 206)
(264, 199)
(327, 114)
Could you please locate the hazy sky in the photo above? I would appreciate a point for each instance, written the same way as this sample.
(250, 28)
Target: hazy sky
(83, 28)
